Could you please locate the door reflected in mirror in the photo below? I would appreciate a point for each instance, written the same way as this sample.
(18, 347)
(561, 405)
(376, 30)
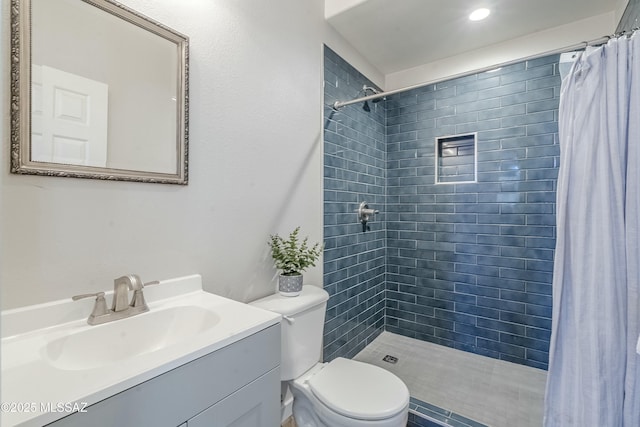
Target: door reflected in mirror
(108, 93)
(69, 118)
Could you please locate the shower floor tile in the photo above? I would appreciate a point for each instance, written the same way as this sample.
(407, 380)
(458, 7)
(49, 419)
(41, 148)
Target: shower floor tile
(490, 391)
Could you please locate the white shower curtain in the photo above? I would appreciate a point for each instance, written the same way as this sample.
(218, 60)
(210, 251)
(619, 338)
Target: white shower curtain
(594, 370)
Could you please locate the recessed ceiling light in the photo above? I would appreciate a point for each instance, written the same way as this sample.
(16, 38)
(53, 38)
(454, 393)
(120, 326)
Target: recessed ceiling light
(479, 14)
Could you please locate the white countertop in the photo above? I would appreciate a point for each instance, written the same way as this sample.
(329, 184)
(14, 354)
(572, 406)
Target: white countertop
(31, 383)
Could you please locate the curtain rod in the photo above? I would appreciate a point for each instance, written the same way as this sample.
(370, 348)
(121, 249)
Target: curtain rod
(582, 45)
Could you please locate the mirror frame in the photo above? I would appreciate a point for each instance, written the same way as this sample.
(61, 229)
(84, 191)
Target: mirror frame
(21, 101)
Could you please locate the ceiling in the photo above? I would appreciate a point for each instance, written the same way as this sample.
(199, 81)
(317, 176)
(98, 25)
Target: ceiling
(396, 35)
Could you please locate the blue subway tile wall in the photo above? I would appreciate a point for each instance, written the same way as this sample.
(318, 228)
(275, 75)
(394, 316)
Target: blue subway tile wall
(469, 265)
(464, 265)
(354, 171)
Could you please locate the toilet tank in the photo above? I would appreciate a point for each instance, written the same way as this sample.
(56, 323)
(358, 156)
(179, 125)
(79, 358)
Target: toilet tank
(302, 325)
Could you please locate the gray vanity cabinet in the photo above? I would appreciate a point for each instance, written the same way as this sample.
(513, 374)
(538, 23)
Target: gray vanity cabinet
(246, 407)
(238, 385)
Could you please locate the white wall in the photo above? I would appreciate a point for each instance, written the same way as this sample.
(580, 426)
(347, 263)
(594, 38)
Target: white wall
(340, 46)
(255, 167)
(512, 50)
(335, 7)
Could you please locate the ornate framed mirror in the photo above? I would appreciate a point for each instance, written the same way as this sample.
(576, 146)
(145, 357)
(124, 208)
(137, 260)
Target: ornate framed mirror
(97, 91)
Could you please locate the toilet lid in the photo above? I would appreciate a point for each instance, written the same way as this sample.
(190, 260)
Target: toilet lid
(359, 390)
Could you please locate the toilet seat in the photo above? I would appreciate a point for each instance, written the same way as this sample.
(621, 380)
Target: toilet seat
(359, 390)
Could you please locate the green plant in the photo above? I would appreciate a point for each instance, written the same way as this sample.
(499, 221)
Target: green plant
(293, 257)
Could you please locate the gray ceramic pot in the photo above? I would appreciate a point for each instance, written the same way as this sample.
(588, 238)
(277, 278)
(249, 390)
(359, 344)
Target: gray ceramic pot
(290, 286)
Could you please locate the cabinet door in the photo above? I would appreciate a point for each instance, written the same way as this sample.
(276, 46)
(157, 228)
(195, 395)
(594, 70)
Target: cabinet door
(255, 405)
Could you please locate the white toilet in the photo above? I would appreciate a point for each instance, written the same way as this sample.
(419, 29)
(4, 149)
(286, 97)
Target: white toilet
(341, 393)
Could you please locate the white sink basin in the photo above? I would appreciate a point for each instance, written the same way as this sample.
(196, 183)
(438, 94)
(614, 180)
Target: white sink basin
(123, 339)
(51, 354)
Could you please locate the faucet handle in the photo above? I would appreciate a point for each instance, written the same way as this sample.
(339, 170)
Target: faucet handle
(138, 301)
(81, 296)
(99, 308)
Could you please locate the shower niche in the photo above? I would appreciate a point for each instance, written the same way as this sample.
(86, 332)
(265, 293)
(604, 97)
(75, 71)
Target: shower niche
(456, 159)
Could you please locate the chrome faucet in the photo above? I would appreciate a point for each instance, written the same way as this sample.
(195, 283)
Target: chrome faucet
(121, 307)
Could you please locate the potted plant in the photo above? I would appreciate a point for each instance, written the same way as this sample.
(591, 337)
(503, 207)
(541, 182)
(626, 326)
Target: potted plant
(292, 257)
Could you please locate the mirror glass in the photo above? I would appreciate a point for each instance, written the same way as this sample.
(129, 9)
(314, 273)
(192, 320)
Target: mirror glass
(107, 96)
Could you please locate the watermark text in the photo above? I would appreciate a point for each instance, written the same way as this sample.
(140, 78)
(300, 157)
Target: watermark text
(25, 407)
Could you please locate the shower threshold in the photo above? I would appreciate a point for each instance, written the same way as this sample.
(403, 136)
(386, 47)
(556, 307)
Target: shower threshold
(454, 388)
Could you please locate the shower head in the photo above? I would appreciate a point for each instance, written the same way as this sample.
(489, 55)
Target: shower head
(375, 91)
(365, 88)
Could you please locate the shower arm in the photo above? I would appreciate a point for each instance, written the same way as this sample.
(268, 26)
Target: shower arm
(339, 104)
